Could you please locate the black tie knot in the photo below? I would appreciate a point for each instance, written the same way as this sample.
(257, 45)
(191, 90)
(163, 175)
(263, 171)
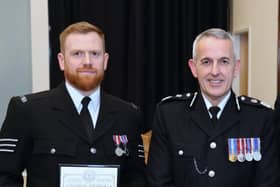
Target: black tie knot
(85, 101)
(214, 111)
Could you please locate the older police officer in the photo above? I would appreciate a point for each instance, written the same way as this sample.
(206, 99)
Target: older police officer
(213, 138)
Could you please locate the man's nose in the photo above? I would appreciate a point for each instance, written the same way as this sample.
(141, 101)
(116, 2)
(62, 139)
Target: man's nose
(215, 68)
(87, 59)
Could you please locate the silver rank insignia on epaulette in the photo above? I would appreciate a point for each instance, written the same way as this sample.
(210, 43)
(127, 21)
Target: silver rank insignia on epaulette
(134, 105)
(23, 99)
(265, 104)
(8, 144)
(166, 98)
(191, 96)
(252, 101)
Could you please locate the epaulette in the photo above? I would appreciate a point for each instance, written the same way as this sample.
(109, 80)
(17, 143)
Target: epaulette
(33, 96)
(23, 99)
(134, 106)
(252, 101)
(179, 97)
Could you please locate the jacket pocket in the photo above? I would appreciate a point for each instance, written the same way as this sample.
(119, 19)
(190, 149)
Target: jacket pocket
(188, 163)
(59, 147)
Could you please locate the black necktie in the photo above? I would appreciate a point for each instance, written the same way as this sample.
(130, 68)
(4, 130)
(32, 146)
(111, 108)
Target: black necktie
(85, 116)
(214, 111)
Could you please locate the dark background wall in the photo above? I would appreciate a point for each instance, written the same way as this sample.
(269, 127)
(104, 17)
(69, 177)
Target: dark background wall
(149, 42)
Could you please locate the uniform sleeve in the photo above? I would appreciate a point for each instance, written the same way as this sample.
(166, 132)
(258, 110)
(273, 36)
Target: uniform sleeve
(267, 170)
(14, 144)
(277, 121)
(134, 167)
(159, 168)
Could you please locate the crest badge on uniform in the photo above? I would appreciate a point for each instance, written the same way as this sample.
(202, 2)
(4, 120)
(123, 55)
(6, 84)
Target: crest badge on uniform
(244, 149)
(121, 145)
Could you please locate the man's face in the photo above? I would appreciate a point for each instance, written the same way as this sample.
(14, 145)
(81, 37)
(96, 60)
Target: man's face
(84, 60)
(214, 67)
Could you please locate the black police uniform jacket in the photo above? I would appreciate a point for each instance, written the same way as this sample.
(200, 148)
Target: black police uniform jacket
(188, 151)
(277, 119)
(44, 130)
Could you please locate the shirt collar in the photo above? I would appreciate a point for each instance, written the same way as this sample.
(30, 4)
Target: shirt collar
(221, 105)
(77, 97)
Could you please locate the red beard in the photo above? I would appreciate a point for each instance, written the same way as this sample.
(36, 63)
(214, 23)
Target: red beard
(85, 82)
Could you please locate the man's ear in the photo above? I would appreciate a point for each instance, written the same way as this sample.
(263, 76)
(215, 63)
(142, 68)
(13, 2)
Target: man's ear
(61, 61)
(237, 68)
(106, 60)
(192, 66)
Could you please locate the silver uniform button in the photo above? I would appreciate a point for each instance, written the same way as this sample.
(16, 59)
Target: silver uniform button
(180, 152)
(93, 150)
(53, 150)
(254, 101)
(213, 145)
(211, 173)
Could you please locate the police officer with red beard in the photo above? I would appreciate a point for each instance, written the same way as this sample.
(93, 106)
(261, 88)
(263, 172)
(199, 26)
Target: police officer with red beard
(75, 134)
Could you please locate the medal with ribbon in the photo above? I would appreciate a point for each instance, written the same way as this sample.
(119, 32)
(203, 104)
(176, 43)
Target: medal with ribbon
(248, 149)
(240, 150)
(256, 149)
(118, 151)
(124, 141)
(232, 150)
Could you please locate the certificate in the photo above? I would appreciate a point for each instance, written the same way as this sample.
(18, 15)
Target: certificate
(73, 175)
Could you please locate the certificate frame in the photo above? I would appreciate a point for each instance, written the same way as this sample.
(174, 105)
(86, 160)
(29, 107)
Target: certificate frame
(88, 175)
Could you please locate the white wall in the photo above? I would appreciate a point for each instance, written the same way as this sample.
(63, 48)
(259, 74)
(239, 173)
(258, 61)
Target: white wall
(24, 66)
(40, 44)
(15, 53)
(260, 19)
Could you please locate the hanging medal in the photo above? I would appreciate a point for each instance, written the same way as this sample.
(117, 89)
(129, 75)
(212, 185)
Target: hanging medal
(257, 149)
(232, 148)
(240, 149)
(248, 149)
(118, 151)
(124, 141)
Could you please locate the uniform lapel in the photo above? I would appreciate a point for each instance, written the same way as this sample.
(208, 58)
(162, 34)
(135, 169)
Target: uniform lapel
(66, 113)
(106, 117)
(230, 117)
(200, 116)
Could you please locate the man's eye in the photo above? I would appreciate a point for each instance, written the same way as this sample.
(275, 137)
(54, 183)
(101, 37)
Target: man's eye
(224, 61)
(205, 62)
(77, 53)
(95, 54)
